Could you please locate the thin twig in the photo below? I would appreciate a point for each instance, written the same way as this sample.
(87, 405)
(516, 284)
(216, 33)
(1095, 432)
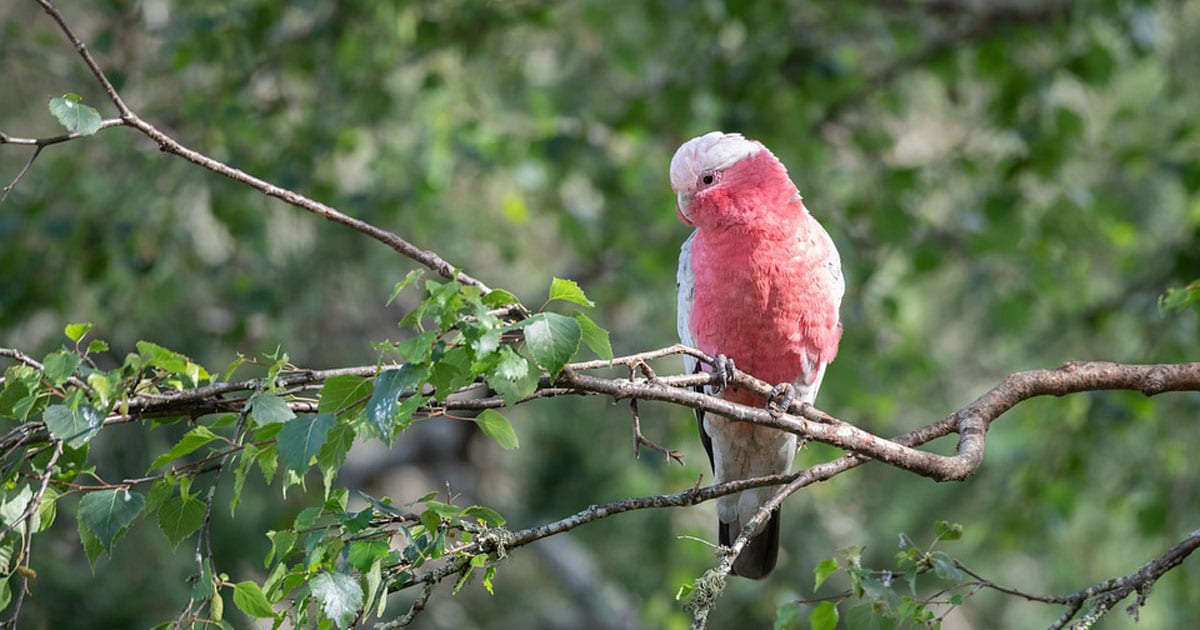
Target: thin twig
(168, 144)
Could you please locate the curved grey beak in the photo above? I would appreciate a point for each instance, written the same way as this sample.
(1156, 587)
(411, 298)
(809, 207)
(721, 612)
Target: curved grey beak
(684, 199)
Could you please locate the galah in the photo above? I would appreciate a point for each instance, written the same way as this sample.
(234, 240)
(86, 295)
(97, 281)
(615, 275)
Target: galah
(760, 283)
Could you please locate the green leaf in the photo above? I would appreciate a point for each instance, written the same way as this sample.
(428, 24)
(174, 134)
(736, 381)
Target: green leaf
(340, 596)
(340, 392)
(91, 546)
(156, 356)
(824, 616)
(97, 345)
(75, 332)
(374, 579)
(180, 517)
(513, 377)
(569, 291)
(383, 407)
(787, 616)
(301, 439)
(249, 598)
(497, 427)
(282, 542)
(487, 578)
(452, 371)
(333, 452)
(76, 424)
(11, 510)
(823, 570)
(498, 298)
(553, 340)
(47, 511)
(417, 349)
(59, 366)
(191, 441)
(944, 567)
(269, 408)
(74, 115)
(106, 513)
(487, 515)
(1179, 299)
(22, 385)
(412, 276)
(594, 337)
(945, 530)
(364, 553)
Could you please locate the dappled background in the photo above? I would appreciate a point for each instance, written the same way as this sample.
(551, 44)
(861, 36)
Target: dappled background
(1011, 185)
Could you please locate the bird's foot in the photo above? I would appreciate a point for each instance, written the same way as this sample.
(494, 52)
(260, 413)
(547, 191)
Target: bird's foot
(724, 369)
(780, 398)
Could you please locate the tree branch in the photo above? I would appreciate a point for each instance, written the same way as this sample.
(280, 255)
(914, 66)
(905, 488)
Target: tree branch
(168, 144)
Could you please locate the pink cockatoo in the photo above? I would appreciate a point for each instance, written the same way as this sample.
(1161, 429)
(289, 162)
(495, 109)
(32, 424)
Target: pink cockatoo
(760, 283)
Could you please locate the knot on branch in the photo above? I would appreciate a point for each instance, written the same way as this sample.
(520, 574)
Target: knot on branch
(496, 541)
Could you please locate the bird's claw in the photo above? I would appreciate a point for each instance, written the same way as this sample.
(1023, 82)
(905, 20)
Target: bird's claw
(781, 397)
(724, 369)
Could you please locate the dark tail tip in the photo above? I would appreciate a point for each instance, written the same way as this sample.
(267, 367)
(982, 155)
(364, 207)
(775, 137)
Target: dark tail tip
(758, 557)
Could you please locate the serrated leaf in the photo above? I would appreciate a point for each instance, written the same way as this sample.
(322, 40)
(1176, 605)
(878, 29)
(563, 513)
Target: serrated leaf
(333, 452)
(594, 337)
(76, 331)
(787, 616)
(75, 424)
(74, 115)
(191, 441)
(47, 511)
(180, 517)
(823, 617)
(19, 396)
(383, 408)
(59, 366)
(496, 426)
(301, 439)
(823, 570)
(553, 340)
(489, 516)
(340, 392)
(364, 553)
(106, 513)
(97, 345)
(569, 291)
(340, 596)
(417, 349)
(451, 371)
(945, 530)
(154, 355)
(12, 509)
(281, 545)
(268, 408)
(944, 567)
(412, 276)
(513, 377)
(249, 598)
(499, 297)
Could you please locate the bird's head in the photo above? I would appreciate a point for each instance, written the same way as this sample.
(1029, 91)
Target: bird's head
(723, 179)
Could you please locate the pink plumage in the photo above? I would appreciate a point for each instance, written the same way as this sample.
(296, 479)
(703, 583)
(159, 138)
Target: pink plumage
(760, 282)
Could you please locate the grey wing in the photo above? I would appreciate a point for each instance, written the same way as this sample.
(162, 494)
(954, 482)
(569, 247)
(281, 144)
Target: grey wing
(685, 283)
(837, 289)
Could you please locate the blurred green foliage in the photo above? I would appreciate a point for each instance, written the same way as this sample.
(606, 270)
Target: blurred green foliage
(1011, 185)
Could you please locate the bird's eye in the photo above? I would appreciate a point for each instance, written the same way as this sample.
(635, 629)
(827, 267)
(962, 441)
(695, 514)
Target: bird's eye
(707, 179)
